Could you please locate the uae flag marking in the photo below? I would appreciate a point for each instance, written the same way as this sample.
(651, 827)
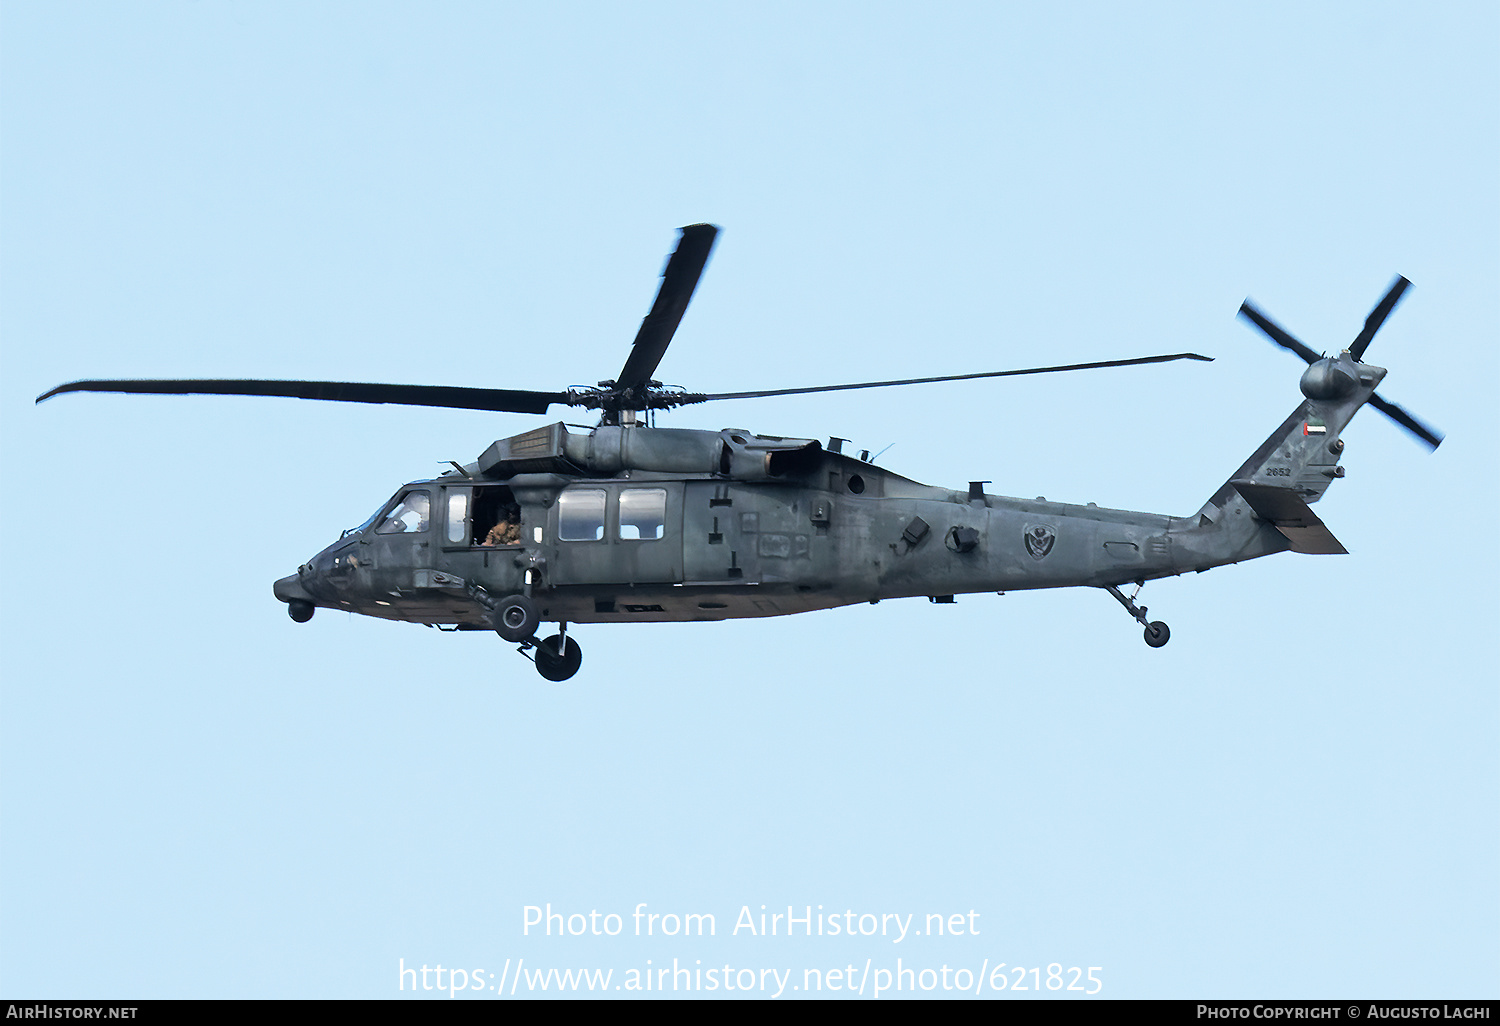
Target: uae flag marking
(1314, 426)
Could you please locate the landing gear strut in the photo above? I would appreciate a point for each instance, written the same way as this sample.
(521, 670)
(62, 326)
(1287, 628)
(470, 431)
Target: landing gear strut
(1157, 633)
(516, 618)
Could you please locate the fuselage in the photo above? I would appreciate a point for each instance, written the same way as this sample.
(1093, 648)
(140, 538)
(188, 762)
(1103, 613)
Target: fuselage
(642, 524)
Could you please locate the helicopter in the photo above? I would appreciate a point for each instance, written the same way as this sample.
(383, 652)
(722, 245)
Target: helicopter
(627, 522)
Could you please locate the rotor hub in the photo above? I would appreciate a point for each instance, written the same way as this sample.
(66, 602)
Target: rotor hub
(1329, 378)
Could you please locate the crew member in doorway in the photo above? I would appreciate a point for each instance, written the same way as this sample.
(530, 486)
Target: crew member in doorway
(507, 530)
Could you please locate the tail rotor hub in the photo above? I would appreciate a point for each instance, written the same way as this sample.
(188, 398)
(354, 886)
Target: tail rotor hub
(1330, 378)
(1338, 377)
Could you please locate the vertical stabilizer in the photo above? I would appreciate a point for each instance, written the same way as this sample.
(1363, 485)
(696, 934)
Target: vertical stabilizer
(1294, 466)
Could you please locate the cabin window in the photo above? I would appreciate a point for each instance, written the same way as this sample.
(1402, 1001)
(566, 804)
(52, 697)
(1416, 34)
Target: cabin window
(643, 513)
(458, 516)
(410, 515)
(580, 514)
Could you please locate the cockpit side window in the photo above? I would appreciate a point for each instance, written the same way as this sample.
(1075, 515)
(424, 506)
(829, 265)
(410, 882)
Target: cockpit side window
(411, 515)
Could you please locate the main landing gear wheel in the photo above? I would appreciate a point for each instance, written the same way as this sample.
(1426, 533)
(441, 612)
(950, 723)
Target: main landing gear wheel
(558, 658)
(1157, 632)
(516, 618)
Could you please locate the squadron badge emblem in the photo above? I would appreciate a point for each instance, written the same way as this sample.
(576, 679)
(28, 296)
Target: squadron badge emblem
(1039, 539)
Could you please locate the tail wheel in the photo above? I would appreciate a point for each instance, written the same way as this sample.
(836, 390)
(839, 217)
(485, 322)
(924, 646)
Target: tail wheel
(516, 618)
(558, 658)
(1157, 634)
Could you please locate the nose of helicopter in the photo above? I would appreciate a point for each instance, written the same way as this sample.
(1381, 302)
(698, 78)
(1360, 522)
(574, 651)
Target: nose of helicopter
(290, 589)
(300, 603)
(322, 580)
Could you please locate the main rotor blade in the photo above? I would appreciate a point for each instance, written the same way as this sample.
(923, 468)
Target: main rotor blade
(1406, 420)
(678, 280)
(1378, 315)
(1277, 333)
(500, 400)
(956, 377)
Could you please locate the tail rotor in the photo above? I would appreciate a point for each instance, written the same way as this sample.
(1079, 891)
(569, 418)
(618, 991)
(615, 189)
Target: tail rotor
(1325, 374)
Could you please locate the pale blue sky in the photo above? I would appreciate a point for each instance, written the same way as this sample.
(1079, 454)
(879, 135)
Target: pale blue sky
(1299, 796)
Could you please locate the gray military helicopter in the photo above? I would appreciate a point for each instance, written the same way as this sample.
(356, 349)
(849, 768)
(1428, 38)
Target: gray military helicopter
(627, 522)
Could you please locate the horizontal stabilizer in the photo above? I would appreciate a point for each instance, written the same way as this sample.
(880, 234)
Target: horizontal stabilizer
(1294, 518)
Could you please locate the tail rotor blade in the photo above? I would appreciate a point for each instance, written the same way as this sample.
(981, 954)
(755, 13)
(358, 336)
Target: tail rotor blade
(1277, 333)
(1377, 317)
(1406, 420)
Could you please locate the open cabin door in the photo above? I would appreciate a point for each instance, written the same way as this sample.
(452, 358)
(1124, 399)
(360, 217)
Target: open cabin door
(483, 528)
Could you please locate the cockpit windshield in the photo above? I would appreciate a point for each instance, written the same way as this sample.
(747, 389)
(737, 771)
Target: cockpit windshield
(364, 526)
